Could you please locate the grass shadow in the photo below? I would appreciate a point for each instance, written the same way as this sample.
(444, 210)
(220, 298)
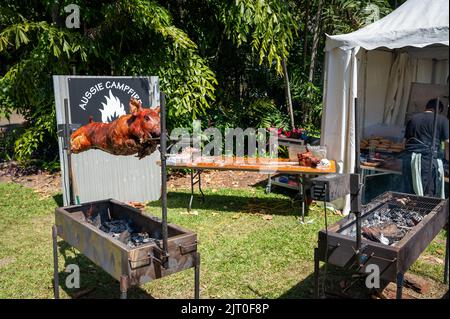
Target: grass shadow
(58, 198)
(338, 283)
(97, 283)
(229, 203)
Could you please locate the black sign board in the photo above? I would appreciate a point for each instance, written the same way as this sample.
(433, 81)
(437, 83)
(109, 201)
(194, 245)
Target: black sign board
(105, 98)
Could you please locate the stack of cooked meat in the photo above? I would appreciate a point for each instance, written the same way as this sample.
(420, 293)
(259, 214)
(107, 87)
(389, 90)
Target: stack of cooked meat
(381, 144)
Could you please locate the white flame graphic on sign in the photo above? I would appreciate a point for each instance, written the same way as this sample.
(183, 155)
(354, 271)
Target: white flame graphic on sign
(112, 109)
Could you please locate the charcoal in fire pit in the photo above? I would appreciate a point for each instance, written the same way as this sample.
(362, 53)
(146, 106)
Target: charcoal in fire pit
(404, 217)
(137, 239)
(122, 230)
(116, 227)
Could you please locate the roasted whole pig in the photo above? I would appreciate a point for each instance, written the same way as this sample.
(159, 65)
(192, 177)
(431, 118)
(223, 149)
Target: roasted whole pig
(130, 134)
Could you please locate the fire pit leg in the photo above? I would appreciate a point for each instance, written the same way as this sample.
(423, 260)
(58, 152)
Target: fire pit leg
(197, 277)
(123, 286)
(55, 262)
(399, 285)
(316, 273)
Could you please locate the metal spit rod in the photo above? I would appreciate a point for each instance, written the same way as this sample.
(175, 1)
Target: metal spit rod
(71, 198)
(163, 149)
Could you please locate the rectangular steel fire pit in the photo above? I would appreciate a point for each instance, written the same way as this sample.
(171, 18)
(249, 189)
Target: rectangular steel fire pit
(338, 247)
(134, 263)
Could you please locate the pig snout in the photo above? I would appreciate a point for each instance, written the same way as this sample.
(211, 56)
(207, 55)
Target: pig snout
(156, 131)
(153, 127)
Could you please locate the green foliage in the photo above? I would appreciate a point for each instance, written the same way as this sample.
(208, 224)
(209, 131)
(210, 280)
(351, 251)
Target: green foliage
(265, 114)
(344, 16)
(7, 140)
(26, 86)
(36, 49)
(267, 25)
(218, 61)
(305, 92)
(185, 77)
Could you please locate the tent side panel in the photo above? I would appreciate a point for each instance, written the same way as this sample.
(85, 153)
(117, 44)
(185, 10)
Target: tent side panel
(378, 67)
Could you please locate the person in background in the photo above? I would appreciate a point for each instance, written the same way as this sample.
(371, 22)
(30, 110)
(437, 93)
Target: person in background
(418, 152)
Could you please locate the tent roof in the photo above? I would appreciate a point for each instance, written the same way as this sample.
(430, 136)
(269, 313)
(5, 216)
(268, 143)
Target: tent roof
(416, 23)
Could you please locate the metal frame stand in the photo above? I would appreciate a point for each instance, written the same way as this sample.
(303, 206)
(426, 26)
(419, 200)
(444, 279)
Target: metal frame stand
(123, 286)
(55, 262)
(197, 277)
(198, 175)
(301, 193)
(163, 150)
(316, 273)
(165, 256)
(400, 281)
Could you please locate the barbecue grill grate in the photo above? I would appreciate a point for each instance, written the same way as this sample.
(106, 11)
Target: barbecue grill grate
(389, 217)
(407, 201)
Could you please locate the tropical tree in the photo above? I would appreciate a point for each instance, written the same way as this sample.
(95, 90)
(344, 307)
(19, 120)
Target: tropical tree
(229, 63)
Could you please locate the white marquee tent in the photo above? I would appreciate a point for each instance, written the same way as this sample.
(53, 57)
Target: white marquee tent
(377, 65)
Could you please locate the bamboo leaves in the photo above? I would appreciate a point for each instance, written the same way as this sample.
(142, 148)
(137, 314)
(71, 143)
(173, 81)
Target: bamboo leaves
(269, 25)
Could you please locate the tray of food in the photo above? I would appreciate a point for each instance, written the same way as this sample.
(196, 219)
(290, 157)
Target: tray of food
(382, 144)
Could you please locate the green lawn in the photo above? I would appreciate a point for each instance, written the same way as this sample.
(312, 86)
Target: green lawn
(243, 255)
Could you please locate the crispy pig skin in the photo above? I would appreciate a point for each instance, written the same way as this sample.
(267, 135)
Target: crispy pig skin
(129, 134)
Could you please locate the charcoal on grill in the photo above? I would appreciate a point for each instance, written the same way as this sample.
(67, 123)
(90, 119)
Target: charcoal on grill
(137, 239)
(120, 229)
(389, 223)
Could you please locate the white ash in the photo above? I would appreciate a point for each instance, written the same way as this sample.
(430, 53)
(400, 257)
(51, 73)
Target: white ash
(404, 220)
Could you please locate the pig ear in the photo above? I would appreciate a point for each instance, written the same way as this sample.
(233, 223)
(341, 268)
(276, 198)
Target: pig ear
(135, 106)
(157, 109)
